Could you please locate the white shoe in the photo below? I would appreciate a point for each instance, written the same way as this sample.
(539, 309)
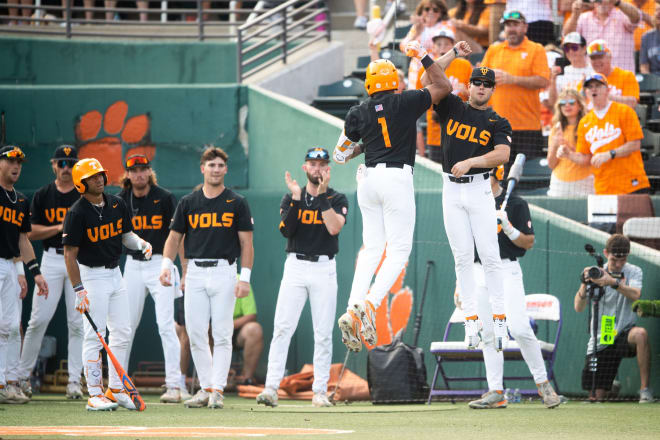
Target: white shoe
(26, 387)
(171, 395)
(360, 22)
(185, 395)
(472, 328)
(646, 396)
(320, 400)
(120, 397)
(349, 324)
(548, 394)
(216, 400)
(14, 395)
(100, 403)
(268, 397)
(74, 390)
(500, 331)
(200, 399)
(367, 314)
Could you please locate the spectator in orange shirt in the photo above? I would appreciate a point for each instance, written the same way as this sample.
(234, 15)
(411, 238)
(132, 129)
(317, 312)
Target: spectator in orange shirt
(470, 18)
(568, 178)
(521, 72)
(646, 22)
(609, 139)
(623, 85)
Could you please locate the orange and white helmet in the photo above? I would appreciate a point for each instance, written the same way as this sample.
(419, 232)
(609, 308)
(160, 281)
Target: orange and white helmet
(84, 169)
(381, 76)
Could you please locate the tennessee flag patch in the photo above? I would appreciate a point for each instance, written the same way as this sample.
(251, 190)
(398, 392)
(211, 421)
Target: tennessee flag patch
(379, 107)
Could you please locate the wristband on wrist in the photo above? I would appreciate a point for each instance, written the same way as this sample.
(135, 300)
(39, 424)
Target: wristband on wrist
(33, 267)
(513, 234)
(455, 52)
(613, 153)
(427, 61)
(78, 287)
(19, 267)
(166, 263)
(617, 3)
(325, 203)
(245, 274)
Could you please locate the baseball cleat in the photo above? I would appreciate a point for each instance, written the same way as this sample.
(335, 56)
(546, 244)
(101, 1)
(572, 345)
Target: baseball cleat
(472, 329)
(100, 403)
(200, 399)
(120, 397)
(171, 395)
(500, 331)
(491, 399)
(646, 395)
(349, 324)
(12, 394)
(268, 397)
(367, 314)
(26, 387)
(185, 395)
(320, 400)
(74, 390)
(216, 400)
(547, 393)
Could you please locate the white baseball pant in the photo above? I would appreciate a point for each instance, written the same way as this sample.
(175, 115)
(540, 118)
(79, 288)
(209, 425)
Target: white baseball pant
(141, 278)
(516, 320)
(469, 216)
(10, 320)
(108, 306)
(387, 202)
(54, 272)
(301, 280)
(210, 297)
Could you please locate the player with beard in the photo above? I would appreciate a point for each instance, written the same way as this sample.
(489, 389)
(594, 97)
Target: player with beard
(311, 221)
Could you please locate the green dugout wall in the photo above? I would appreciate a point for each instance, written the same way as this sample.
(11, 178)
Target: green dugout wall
(274, 132)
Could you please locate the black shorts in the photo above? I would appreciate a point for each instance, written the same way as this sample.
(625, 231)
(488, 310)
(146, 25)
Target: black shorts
(608, 363)
(179, 312)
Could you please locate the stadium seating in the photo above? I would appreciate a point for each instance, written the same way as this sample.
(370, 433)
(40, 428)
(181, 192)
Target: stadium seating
(650, 145)
(652, 168)
(338, 97)
(649, 84)
(643, 230)
(536, 174)
(543, 308)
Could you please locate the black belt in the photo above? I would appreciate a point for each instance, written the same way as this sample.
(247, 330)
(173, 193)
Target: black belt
(107, 266)
(388, 165)
(468, 179)
(58, 251)
(213, 263)
(312, 258)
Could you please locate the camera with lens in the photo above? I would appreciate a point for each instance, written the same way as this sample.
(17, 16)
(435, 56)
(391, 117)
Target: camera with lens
(595, 272)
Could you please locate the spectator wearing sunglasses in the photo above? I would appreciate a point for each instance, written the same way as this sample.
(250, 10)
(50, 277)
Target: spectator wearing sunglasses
(521, 72)
(575, 50)
(611, 20)
(623, 86)
(47, 211)
(649, 55)
(568, 178)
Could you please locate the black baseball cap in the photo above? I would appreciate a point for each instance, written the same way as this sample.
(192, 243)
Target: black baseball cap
(317, 153)
(66, 152)
(483, 73)
(12, 152)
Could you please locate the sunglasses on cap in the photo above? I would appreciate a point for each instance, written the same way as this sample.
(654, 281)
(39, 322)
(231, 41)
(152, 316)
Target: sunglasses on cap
(64, 163)
(15, 154)
(428, 9)
(570, 47)
(317, 153)
(513, 15)
(567, 101)
(137, 160)
(597, 48)
(486, 84)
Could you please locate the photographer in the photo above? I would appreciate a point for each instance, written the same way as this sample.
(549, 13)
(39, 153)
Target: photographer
(622, 284)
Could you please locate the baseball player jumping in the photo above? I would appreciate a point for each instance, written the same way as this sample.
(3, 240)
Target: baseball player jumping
(152, 208)
(95, 228)
(14, 243)
(475, 139)
(49, 207)
(385, 123)
(217, 225)
(312, 218)
(515, 237)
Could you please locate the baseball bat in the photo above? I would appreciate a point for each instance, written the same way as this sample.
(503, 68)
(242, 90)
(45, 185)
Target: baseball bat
(125, 379)
(331, 397)
(515, 173)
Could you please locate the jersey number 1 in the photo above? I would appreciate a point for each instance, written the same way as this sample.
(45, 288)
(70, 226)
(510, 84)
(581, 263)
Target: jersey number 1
(386, 134)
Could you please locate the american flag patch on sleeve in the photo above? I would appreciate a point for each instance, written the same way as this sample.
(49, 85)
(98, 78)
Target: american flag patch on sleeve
(379, 107)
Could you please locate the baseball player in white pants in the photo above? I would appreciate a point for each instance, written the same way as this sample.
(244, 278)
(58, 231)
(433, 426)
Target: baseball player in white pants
(311, 219)
(515, 237)
(49, 206)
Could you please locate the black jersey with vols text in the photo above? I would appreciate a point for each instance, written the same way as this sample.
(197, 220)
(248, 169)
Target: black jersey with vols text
(211, 225)
(14, 219)
(151, 216)
(469, 132)
(386, 123)
(49, 207)
(302, 223)
(97, 230)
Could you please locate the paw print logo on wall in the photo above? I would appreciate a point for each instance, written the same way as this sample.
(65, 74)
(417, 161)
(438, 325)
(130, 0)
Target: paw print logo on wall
(110, 137)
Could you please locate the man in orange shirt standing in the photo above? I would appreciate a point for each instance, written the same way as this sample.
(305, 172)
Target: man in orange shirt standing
(623, 86)
(609, 138)
(521, 72)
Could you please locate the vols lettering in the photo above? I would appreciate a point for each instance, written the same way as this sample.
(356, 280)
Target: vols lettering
(141, 222)
(55, 214)
(309, 217)
(598, 137)
(104, 232)
(210, 220)
(11, 216)
(464, 131)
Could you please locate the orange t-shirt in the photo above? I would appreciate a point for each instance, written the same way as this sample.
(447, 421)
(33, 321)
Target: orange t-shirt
(520, 105)
(567, 170)
(642, 27)
(484, 21)
(621, 83)
(458, 72)
(620, 125)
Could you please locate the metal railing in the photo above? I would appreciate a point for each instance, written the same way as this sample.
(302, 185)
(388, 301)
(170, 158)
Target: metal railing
(278, 33)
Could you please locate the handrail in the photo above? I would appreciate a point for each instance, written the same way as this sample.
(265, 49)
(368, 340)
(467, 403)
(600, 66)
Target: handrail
(299, 28)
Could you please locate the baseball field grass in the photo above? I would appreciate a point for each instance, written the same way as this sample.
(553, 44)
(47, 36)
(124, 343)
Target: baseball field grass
(51, 416)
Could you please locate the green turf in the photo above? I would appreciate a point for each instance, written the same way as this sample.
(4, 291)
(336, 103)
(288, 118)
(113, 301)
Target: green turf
(574, 420)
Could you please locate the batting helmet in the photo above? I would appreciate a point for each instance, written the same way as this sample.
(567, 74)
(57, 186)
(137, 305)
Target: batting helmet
(381, 76)
(84, 169)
